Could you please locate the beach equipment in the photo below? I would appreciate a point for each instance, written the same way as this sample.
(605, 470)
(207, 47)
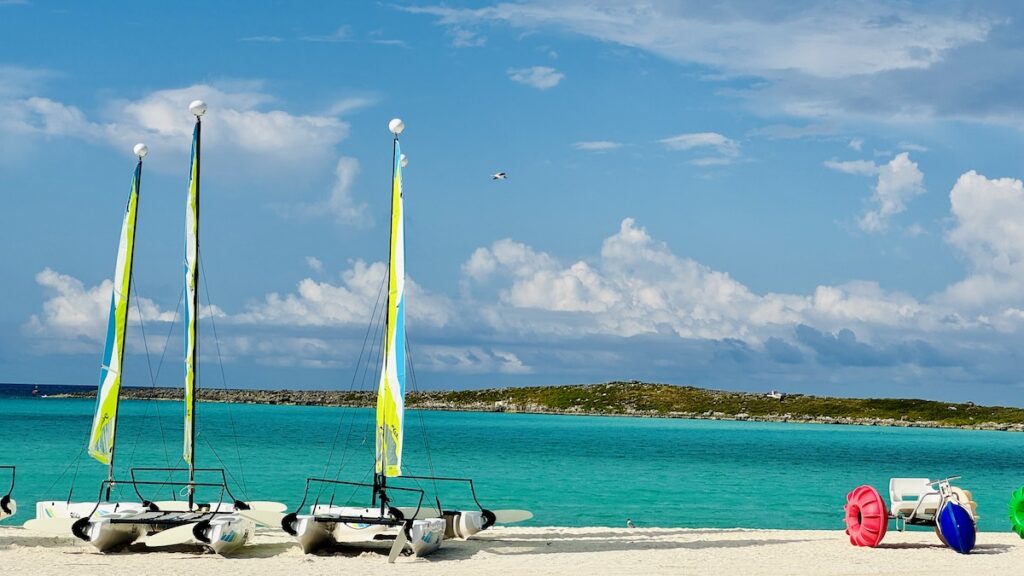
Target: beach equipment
(866, 517)
(224, 524)
(1017, 511)
(326, 525)
(951, 510)
(956, 526)
(418, 529)
(8, 507)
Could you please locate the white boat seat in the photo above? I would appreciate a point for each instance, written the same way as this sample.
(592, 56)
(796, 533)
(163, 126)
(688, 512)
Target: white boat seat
(908, 495)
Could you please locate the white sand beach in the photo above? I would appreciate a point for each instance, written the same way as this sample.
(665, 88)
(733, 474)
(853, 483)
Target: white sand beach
(553, 550)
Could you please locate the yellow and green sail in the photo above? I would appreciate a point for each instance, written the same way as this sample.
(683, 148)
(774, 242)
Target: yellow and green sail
(391, 393)
(191, 293)
(104, 423)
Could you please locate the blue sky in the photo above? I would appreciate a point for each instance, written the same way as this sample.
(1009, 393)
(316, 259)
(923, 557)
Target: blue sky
(820, 197)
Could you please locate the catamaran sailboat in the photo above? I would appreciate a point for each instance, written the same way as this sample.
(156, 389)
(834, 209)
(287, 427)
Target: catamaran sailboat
(223, 526)
(420, 529)
(327, 525)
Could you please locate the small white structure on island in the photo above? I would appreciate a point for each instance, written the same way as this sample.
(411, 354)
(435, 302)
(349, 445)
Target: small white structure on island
(776, 395)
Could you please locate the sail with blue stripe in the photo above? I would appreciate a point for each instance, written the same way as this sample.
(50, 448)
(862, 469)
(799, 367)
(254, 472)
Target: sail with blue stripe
(191, 294)
(104, 424)
(391, 392)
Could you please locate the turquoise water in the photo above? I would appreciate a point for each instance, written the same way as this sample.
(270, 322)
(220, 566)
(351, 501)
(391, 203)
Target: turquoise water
(569, 470)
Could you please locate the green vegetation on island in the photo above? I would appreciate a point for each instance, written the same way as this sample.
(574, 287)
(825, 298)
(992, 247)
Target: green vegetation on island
(643, 400)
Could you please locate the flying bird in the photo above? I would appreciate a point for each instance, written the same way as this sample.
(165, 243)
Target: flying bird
(499, 176)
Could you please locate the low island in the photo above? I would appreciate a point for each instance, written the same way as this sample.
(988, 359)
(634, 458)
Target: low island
(638, 399)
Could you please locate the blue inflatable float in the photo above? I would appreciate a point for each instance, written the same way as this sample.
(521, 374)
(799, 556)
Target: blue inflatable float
(956, 527)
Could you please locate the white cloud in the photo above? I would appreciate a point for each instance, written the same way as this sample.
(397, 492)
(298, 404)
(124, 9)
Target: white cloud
(638, 286)
(634, 290)
(912, 147)
(843, 63)
(469, 360)
(727, 150)
(75, 316)
(347, 105)
(341, 34)
(314, 264)
(856, 144)
(899, 181)
(860, 167)
(989, 233)
(790, 132)
(341, 202)
(539, 77)
(349, 303)
(240, 127)
(597, 145)
(235, 120)
(42, 116)
(915, 230)
(828, 41)
(266, 39)
(465, 38)
(18, 81)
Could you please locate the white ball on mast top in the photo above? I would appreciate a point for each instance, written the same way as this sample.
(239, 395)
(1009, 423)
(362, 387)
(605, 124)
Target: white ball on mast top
(396, 126)
(197, 108)
(140, 150)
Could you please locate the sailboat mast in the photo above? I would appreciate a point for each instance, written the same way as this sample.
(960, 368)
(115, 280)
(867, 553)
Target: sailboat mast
(197, 108)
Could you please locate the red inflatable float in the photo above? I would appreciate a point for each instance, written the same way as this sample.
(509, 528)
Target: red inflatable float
(866, 517)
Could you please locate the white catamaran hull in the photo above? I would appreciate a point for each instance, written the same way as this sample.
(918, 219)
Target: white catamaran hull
(106, 536)
(463, 523)
(424, 537)
(227, 534)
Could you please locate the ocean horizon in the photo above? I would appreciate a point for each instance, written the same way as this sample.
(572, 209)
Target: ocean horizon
(568, 470)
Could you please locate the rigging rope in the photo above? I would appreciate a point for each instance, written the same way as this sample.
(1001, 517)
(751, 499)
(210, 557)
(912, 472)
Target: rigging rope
(153, 377)
(74, 462)
(423, 425)
(351, 388)
(224, 386)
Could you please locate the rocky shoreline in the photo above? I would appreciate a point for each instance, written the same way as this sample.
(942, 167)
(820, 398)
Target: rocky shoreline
(488, 401)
